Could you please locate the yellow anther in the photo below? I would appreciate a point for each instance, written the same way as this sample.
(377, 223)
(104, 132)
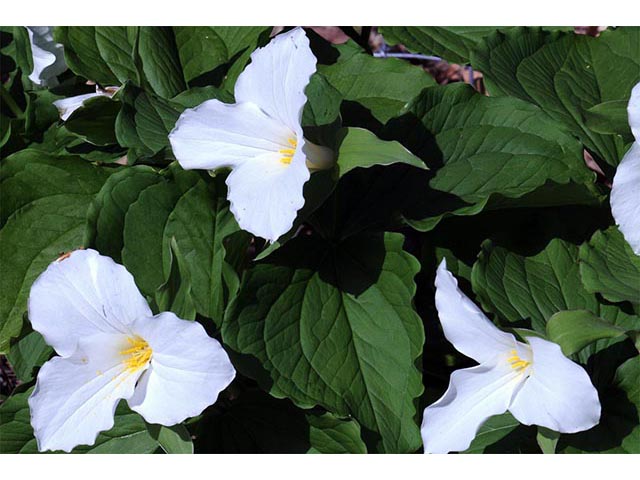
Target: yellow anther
(287, 153)
(516, 362)
(138, 355)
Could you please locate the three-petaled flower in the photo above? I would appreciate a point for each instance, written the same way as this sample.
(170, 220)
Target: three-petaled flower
(260, 137)
(534, 381)
(112, 347)
(625, 191)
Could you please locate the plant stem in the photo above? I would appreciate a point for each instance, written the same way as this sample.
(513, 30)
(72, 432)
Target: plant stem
(10, 102)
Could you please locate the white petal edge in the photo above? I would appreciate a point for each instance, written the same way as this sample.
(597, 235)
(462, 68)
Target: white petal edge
(81, 295)
(47, 55)
(188, 370)
(625, 197)
(633, 110)
(464, 324)
(216, 134)
(558, 394)
(277, 77)
(66, 106)
(266, 194)
(75, 398)
(474, 395)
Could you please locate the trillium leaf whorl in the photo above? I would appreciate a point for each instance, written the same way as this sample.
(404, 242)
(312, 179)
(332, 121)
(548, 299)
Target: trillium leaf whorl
(534, 380)
(260, 137)
(625, 191)
(111, 347)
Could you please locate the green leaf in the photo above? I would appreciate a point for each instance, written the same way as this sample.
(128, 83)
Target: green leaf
(117, 47)
(608, 266)
(568, 77)
(329, 434)
(575, 329)
(160, 62)
(547, 440)
(44, 204)
(27, 353)
(451, 43)
(332, 325)
(493, 145)
(383, 86)
(204, 49)
(521, 289)
(95, 121)
(361, 148)
(128, 435)
(609, 118)
(105, 226)
(496, 430)
(323, 102)
(175, 439)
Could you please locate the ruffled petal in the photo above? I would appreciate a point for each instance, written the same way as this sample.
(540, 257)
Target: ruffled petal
(277, 76)
(266, 194)
(474, 395)
(75, 398)
(634, 112)
(558, 393)
(187, 372)
(215, 134)
(48, 56)
(625, 197)
(464, 324)
(81, 295)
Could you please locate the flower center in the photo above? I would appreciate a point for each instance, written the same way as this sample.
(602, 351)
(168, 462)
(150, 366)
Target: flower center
(287, 153)
(137, 355)
(516, 362)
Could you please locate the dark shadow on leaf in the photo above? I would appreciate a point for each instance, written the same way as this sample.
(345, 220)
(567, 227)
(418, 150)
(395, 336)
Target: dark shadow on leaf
(216, 76)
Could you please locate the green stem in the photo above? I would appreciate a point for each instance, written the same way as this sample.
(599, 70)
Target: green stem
(10, 102)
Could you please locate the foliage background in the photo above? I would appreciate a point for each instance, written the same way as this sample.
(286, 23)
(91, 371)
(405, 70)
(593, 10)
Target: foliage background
(492, 147)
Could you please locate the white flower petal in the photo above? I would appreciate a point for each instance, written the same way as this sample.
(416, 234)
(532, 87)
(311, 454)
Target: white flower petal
(82, 295)
(558, 394)
(66, 106)
(75, 398)
(188, 370)
(277, 76)
(625, 197)
(215, 134)
(474, 395)
(464, 324)
(48, 56)
(634, 112)
(266, 194)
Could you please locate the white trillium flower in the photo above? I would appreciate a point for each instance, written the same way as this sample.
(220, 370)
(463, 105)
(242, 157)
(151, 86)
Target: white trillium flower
(625, 191)
(260, 137)
(66, 106)
(47, 54)
(534, 380)
(112, 347)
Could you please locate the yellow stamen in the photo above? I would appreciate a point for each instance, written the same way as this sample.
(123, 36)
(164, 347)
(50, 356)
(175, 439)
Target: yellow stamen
(138, 355)
(516, 362)
(287, 153)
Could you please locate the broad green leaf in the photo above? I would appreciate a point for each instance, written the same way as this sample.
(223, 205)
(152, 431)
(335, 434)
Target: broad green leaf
(128, 435)
(608, 266)
(495, 431)
(361, 148)
(95, 121)
(200, 222)
(44, 205)
(117, 46)
(332, 325)
(493, 145)
(382, 86)
(175, 439)
(568, 76)
(160, 62)
(575, 329)
(323, 102)
(27, 353)
(204, 49)
(547, 440)
(106, 215)
(520, 288)
(329, 434)
(608, 118)
(454, 44)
